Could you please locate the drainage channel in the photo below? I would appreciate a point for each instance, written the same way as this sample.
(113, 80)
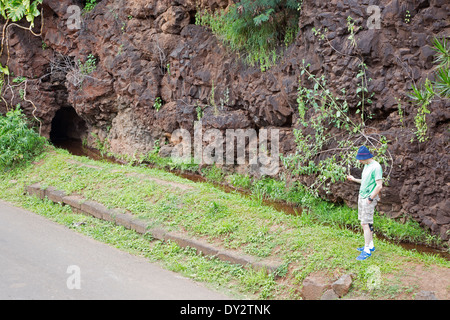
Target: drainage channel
(75, 147)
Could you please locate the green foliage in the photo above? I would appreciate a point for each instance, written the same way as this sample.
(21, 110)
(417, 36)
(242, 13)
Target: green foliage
(407, 17)
(101, 145)
(255, 28)
(423, 95)
(239, 181)
(90, 5)
(89, 66)
(199, 112)
(79, 71)
(400, 111)
(442, 84)
(362, 90)
(18, 142)
(328, 153)
(15, 10)
(443, 52)
(19, 80)
(158, 104)
(4, 70)
(213, 173)
(352, 29)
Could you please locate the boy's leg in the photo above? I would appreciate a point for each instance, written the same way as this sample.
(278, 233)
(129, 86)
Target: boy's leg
(368, 236)
(365, 214)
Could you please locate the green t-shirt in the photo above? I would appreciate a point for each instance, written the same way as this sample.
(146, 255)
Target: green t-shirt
(370, 174)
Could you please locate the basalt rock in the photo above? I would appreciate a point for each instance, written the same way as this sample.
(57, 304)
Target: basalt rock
(148, 49)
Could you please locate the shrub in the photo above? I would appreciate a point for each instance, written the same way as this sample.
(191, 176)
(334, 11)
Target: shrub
(425, 94)
(18, 142)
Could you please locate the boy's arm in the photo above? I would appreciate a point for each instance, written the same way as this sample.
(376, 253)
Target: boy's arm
(352, 178)
(377, 189)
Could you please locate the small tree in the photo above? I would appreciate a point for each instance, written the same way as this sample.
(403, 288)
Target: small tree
(18, 142)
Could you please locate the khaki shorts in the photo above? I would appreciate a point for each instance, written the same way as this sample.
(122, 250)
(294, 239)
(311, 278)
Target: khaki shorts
(365, 210)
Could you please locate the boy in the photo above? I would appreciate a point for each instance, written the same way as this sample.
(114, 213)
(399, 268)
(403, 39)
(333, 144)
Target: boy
(371, 184)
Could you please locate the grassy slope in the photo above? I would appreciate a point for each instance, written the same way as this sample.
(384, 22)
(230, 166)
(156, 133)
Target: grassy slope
(230, 220)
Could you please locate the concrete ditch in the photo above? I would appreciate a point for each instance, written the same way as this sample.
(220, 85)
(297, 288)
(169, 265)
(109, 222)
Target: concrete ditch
(80, 205)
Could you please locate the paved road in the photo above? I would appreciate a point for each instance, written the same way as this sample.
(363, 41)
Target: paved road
(40, 259)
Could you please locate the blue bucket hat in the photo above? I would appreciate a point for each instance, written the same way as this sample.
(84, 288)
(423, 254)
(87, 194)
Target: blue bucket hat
(363, 154)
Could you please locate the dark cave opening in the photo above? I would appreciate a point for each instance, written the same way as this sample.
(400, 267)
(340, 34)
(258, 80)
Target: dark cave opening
(67, 125)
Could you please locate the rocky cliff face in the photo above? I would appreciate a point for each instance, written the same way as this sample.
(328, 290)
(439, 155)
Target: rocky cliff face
(149, 49)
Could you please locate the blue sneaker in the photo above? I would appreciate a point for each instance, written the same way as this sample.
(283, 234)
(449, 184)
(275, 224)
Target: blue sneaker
(363, 256)
(362, 249)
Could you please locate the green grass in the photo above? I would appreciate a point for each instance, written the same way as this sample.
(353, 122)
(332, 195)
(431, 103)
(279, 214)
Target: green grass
(332, 214)
(230, 220)
(337, 215)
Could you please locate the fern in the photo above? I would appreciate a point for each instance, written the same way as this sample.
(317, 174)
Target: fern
(263, 17)
(255, 28)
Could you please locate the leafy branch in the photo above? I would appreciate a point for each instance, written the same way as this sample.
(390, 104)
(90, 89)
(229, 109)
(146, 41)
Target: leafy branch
(362, 87)
(326, 153)
(328, 137)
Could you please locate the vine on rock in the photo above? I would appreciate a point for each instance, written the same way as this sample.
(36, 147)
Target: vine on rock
(14, 11)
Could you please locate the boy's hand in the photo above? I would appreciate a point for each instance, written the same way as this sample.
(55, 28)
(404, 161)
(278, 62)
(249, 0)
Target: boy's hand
(351, 178)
